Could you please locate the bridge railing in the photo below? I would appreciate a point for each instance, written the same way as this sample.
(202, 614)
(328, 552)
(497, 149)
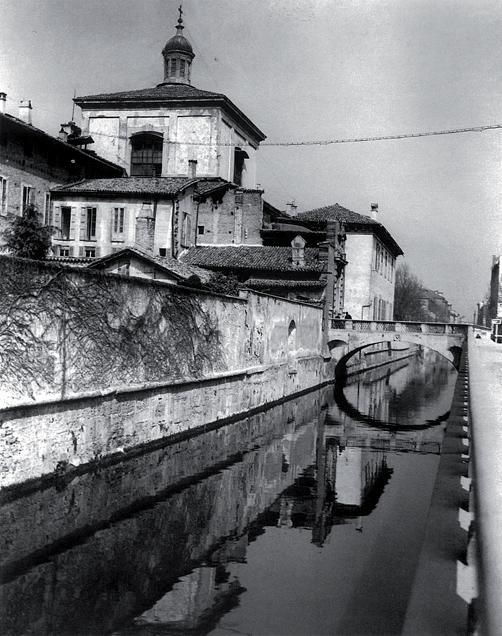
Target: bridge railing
(348, 324)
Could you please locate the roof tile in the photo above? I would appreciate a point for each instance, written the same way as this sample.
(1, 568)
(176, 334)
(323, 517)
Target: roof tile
(138, 185)
(258, 258)
(162, 91)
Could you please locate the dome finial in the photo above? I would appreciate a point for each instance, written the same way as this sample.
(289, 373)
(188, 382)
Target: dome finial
(179, 26)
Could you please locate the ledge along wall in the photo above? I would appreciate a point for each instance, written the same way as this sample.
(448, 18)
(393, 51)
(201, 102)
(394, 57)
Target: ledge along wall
(93, 365)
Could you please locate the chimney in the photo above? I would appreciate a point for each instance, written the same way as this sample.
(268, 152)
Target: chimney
(63, 133)
(68, 130)
(291, 208)
(374, 211)
(25, 109)
(3, 101)
(145, 228)
(192, 168)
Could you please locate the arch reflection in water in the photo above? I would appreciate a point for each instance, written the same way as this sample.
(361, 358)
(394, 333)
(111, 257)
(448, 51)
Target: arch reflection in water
(193, 536)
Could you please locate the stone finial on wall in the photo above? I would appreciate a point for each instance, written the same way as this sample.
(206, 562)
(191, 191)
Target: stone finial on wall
(298, 251)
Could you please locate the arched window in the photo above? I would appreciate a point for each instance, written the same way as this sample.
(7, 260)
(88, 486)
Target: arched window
(146, 155)
(291, 338)
(240, 157)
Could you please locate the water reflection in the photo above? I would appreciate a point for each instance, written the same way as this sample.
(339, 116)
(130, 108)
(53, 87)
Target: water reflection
(242, 527)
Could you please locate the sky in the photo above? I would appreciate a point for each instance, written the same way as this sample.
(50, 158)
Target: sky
(311, 70)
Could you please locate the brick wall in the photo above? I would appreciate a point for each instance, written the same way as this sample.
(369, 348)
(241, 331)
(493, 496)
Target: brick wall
(235, 219)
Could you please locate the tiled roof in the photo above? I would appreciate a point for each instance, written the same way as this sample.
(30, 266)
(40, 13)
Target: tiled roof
(265, 283)
(258, 258)
(167, 186)
(162, 92)
(335, 212)
(59, 143)
(318, 217)
(77, 261)
(172, 265)
(176, 93)
(206, 186)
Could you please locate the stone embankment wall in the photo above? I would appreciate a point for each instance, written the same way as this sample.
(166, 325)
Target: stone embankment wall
(94, 365)
(126, 517)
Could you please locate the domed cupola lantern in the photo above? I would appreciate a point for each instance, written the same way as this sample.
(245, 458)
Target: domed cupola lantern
(178, 55)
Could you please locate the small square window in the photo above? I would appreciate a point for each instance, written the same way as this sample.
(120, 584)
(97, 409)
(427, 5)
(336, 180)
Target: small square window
(90, 252)
(162, 251)
(64, 250)
(200, 229)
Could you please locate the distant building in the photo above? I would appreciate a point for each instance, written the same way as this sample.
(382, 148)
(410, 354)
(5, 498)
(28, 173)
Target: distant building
(32, 162)
(371, 255)
(174, 129)
(435, 307)
(489, 312)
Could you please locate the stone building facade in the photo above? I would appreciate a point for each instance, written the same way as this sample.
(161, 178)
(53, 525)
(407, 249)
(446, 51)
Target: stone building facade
(33, 162)
(371, 254)
(174, 128)
(162, 215)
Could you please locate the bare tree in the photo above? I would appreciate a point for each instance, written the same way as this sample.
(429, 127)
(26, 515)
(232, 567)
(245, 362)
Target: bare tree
(408, 290)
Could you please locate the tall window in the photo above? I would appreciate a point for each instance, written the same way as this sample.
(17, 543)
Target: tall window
(118, 221)
(47, 208)
(146, 155)
(90, 233)
(240, 157)
(3, 195)
(182, 68)
(27, 197)
(65, 223)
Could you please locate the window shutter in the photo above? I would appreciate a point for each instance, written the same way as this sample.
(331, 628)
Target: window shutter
(81, 250)
(124, 235)
(73, 223)
(112, 223)
(72, 250)
(57, 216)
(98, 251)
(83, 224)
(188, 237)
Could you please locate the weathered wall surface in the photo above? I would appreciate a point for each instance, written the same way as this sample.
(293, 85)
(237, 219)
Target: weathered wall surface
(136, 534)
(106, 239)
(158, 360)
(235, 219)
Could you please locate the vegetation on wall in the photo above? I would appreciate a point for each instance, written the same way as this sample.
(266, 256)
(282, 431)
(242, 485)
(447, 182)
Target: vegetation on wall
(88, 331)
(26, 237)
(223, 284)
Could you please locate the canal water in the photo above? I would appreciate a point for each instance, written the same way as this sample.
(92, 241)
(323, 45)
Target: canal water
(304, 519)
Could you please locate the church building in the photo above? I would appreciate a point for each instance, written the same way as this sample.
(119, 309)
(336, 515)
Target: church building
(190, 157)
(173, 129)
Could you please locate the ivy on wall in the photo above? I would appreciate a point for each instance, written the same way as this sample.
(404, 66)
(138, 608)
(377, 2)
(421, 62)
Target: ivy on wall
(63, 331)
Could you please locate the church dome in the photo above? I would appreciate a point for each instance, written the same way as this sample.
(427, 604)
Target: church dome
(178, 55)
(178, 44)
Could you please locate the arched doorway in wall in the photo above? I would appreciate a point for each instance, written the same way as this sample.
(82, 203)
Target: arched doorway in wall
(291, 339)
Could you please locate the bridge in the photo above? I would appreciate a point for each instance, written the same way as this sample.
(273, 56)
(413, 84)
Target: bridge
(445, 338)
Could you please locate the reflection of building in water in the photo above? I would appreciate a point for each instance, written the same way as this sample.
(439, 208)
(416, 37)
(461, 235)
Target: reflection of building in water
(392, 393)
(359, 471)
(159, 530)
(195, 603)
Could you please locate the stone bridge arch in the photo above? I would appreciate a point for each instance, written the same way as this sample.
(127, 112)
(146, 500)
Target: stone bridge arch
(353, 336)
